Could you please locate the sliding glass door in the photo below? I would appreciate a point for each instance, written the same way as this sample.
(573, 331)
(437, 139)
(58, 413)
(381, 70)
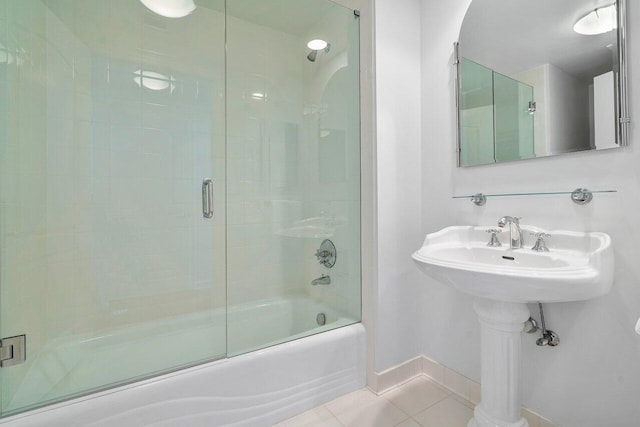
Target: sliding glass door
(293, 111)
(112, 170)
(179, 182)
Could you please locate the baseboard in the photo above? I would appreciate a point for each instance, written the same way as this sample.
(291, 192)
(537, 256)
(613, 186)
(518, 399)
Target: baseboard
(443, 376)
(396, 375)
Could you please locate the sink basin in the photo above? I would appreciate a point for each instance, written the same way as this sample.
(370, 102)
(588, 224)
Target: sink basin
(578, 266)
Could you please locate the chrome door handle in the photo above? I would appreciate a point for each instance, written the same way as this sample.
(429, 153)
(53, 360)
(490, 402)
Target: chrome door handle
(207, 198)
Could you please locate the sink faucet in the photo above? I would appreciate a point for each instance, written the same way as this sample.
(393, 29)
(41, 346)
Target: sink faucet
(515, 234)
(322, 280)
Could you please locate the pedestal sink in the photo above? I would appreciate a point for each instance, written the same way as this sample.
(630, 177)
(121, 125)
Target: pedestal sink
(579, 266)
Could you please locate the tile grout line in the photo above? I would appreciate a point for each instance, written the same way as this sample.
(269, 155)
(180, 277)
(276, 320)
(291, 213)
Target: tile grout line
(398, 408)
(332, 413)
(448, 394)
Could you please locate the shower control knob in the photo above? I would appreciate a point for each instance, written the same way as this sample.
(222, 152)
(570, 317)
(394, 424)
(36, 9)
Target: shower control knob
(322, 254)
(326, 255)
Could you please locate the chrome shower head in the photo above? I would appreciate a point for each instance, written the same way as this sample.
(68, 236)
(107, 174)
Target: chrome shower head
(314, 52)
(312, 55)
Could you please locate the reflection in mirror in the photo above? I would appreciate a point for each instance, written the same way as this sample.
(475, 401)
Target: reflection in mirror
(540, 78)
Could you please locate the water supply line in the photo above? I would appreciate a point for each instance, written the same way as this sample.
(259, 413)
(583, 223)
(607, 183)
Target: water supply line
(548, 338)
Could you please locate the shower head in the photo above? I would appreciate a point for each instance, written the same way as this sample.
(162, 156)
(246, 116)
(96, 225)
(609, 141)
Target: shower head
(314, 52)
(312, 55)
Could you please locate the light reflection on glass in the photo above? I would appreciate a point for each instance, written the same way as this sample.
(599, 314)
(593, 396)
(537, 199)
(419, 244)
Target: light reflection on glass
(154, 81)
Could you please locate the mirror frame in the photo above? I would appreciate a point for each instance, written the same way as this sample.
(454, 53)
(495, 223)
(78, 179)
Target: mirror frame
(622, 101)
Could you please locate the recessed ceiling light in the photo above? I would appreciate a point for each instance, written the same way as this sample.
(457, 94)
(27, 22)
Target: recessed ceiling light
(258, 95)
(598, 21)
(154, 81)
(317, 44)
(170, 8)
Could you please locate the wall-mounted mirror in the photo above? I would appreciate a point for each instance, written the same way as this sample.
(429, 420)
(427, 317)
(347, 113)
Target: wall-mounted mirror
(540, 78)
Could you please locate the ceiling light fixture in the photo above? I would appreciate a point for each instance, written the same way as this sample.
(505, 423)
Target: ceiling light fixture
(170, 8)
(598, 21)
(317, 44)
(154, 81)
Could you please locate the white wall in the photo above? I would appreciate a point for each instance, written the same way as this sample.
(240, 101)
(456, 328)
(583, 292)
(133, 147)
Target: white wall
(593, 378)
(398, 180)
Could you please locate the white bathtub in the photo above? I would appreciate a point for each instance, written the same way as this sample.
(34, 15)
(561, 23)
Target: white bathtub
(253, 389)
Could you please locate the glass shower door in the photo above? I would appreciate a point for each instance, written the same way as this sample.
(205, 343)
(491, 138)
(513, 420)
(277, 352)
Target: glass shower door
(293, 157)
(512, 120)
(476, 114)
(112, 237)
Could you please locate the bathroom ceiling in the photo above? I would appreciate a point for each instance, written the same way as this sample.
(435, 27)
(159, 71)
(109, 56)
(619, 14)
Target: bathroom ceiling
(513, 36)
(127, 30)
(292, 17)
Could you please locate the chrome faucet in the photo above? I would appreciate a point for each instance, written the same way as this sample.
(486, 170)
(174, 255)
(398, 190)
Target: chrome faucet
(322, 280)
(515, 234)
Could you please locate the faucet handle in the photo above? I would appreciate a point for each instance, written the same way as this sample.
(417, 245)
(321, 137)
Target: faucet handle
(539, 234)
(494, 242)
(540, 245)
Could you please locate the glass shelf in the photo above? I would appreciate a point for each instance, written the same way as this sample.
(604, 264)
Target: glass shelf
(581, 196)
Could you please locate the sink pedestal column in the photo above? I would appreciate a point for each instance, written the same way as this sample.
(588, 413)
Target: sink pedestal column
(501, 325)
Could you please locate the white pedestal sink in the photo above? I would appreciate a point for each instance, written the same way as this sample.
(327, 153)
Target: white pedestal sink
(579, 266)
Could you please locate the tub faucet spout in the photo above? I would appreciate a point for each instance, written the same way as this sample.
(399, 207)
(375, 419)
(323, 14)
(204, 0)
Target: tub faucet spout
(322, 280)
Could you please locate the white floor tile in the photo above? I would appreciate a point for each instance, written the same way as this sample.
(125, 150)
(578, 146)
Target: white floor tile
(409, 423)
(399, 407)
(317, 417)
(416, 395)
(364, 409)
(464, 401)
(448, 412)
(351, 400)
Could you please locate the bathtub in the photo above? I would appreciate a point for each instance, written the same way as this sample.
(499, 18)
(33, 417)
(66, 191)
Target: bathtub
(257, 388)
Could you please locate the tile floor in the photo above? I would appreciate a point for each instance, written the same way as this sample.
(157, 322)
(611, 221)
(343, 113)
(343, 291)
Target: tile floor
(419, 402)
